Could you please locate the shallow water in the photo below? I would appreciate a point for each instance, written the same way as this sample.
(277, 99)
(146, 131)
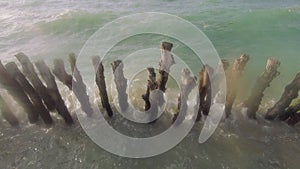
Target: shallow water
(52, 29)
(235, 144)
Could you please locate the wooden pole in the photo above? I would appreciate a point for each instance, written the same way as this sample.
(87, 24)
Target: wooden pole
(72, 61)
(152, 85)
(289, 111)
(121, 84)
(233, 81)
(165, 64)
(61, 74)
(289, 94)
(78, 84)
(225, 64)
(263, 81)
(293, 119)
(204, 88)
(29, 72)
(7, 113)
(52, 88)
(217, 80)
(80, 88)
(16, 91)
(291, 115)
(100, 81)
(36, 100)
(153, 97)
(187, 84)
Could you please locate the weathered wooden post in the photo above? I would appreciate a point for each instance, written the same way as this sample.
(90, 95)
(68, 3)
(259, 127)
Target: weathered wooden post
(217, 81)
(264, 80)
(232, 81)
(204, 88)
(293, 119)
(29, 72)
(291, 115)
(77, 83)
(165, 64)
(61, 74)
(290, 111)
(36, 100)
(15, 90)
(53, 90)
(100, 81)
(80, 88)
(121, 84)
(152, 85)
(7, 113)
(225, 64)
(289, 94)
(187, 84)
(153, 97)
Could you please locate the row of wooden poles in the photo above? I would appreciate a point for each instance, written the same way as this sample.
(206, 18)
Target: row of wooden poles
(39, 95)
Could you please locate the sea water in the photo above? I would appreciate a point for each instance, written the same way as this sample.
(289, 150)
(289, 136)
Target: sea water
(52, 29)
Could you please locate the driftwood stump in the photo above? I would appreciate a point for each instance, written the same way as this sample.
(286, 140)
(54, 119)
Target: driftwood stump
(17, 92)
(49, 79)
(29, 72)
(289, 94)
(187, 84)
(121, 84)
(81, 92)
(165, 64)
(100, 81)
(232, 81)
(263, 81)
(36, 100)
(7, 113)
(204, 88)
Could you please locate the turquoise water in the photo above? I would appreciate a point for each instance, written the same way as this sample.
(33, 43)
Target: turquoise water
(52, 29)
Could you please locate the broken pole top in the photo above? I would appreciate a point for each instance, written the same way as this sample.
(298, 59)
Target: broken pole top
(166, 46)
